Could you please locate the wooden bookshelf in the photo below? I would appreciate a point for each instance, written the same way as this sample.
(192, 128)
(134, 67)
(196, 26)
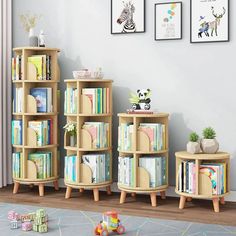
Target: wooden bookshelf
(203, 182)
(29, 113)
(140, 147)
(84, 140)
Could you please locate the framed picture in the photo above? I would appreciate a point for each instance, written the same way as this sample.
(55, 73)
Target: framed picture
(168, 21)
(127, 16)
(209, 21)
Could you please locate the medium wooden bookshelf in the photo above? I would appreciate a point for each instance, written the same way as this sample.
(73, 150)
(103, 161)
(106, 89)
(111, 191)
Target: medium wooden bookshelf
(203, 182)
(84, 139)
(140, 147)
(29, 113)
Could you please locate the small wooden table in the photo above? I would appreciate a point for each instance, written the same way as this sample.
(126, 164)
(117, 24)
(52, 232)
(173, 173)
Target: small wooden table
(203, 182)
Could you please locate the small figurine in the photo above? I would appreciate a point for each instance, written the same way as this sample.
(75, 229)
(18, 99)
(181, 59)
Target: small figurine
(141, 100)
(109, 223)
(26, 226)
(41, 39)
(14, 224)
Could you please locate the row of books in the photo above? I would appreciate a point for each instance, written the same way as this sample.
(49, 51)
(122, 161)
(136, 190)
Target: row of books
(43, 97)
(43, 130)
(125, 135)
(71, 98)
(17, 100)
(98, 163)
(16, 68)
(99, 132)
(100, 99)
(16, 130)
(215, 171)
(17, 163)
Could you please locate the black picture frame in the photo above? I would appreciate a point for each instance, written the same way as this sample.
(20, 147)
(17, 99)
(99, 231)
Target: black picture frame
(213, 41)
(181, 21)
(137, 32)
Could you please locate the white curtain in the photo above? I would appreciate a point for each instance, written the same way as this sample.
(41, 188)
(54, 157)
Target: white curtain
(5, 91)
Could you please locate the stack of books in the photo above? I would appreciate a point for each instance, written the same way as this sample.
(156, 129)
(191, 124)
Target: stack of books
(156, 134)
(100, 99)
(43, 162)
(100, 166)
(43, 97)
(71, 98)
(126, 171)
(156, 167)
(125, 134)
(43, 130)
(17, 100)
(16, 66)
(70, 168)
(99, 132)
(17, 164)
(16, 130)
(42, 64)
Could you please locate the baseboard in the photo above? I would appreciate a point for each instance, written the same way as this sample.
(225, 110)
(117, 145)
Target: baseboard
(170, 191)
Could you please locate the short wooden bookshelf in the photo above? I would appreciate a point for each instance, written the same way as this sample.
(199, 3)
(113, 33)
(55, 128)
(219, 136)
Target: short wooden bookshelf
(203, 183)
(141, 146)
(29, 80)
(84, 144)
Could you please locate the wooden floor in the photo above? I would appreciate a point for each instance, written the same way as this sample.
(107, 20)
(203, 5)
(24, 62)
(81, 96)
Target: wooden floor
(195, 211)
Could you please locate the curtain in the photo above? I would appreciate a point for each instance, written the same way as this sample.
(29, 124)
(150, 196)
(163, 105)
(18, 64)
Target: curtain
(5, 91)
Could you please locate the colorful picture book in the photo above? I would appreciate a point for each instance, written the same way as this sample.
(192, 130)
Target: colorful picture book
(16, 68)
(99, 132)
(70, 168)
(42, 64)
(71, 98)
(125, 136)
(43, 162)
(16, 132)
(17, 100)
(43, 130)
(43, 98)
(17, 163)
(99, 98)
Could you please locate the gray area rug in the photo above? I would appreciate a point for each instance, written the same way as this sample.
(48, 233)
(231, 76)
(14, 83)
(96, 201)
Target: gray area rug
(81, 223)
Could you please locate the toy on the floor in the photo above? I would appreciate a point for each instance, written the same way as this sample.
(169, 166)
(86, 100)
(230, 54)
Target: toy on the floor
(109, 223)
(14, 224)
(27, 226)
(12, 215)
(40, 223)
(141, 100)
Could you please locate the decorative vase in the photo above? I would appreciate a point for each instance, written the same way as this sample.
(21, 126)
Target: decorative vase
(193, 147)
(33, 39)
(209, 145)
(72, 140)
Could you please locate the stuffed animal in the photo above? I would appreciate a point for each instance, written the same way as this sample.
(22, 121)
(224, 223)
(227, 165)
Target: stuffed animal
(141, 100)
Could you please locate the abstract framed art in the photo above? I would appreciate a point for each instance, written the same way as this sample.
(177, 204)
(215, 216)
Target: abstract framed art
(209, 21)
(127, 16)
(168, 21)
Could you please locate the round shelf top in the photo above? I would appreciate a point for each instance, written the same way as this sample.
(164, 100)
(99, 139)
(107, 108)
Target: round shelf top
(36, 49)
(202, 156)
(155, 115)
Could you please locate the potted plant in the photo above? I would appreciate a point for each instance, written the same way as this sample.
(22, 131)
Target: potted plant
(209, 144)
(70, 129)
(193, 146)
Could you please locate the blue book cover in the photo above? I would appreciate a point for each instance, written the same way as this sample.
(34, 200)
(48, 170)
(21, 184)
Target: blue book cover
(40, 94)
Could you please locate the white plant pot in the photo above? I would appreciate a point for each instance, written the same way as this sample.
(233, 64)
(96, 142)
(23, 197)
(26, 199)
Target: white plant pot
(209, 145)
(193, 147)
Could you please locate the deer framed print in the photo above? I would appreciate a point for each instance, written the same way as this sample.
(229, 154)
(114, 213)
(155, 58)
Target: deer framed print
(168, 21)
(209, 21)
(127, 16)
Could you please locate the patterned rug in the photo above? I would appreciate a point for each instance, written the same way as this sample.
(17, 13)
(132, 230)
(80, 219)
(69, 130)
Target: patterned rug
(80, 223)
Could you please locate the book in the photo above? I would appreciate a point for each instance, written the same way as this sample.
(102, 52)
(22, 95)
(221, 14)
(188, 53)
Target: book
(17, 132)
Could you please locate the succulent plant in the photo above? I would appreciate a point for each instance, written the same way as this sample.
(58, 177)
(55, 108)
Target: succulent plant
(209, 133)
(193, 137)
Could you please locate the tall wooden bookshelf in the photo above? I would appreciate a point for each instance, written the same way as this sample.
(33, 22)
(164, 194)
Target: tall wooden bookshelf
(29, 112)
(84, 139)
(141, 147)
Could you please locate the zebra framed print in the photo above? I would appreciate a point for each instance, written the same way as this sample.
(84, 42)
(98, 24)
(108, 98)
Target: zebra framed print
(127, 16)
(168, 21)
(209, 21)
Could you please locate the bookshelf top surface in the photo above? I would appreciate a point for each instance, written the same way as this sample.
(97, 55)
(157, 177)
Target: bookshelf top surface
(36, 49)
(88, 80)
(203, 156)
(155, 115)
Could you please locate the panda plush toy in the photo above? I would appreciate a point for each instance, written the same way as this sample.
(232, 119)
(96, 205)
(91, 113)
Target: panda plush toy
(141, 100)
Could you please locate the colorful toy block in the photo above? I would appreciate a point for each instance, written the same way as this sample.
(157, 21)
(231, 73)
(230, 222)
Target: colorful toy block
(43, 228)
(26, 226)
(12, 215)
(14, 224)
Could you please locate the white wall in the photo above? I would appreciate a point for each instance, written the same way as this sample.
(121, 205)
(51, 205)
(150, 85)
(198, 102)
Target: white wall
(195, 83)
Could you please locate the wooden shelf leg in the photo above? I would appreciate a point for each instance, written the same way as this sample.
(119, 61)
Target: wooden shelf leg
(153, 199)
(182, 202)
(163, 195)
(41, 190)
(68, 192)
(96, 194)
(16, 188)
(108, 188)
(81, 190)
(189, 199)
(122, 197)
(55, 183)
(133, 194)
(216, 204)
(222, 201)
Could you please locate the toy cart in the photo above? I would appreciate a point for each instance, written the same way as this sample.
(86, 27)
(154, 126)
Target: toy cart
(109, 223)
